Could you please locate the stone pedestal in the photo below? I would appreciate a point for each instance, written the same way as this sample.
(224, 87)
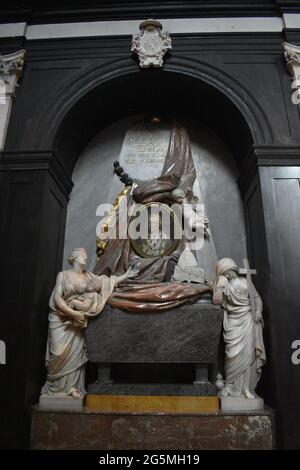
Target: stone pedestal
(185, 335)
(149, 431)
(60, 403)
(241, 404)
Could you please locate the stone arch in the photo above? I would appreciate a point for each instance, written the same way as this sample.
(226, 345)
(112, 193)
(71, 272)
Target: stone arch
(107, 93)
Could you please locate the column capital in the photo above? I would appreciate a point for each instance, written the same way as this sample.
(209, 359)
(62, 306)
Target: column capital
(292, 58)
(11, 68)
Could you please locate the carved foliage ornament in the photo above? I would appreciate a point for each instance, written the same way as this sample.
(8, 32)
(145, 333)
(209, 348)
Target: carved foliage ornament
(11, 66)
(292, 58)
(151, 44)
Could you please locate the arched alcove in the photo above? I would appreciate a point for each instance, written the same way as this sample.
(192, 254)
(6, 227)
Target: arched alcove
(68, 121)
(222, 129)
(91, 133)
(169, 92)
(95, 184)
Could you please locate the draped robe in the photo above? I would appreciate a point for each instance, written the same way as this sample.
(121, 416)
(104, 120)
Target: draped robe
(244, 346)
(66, 350)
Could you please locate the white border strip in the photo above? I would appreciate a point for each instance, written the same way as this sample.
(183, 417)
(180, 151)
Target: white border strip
(11, 30)
(118, 28)
(291, 20)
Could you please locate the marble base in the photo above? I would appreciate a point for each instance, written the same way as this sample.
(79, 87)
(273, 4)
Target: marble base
(61, 403)
(89, 430)
(241, 404)
(151, 404)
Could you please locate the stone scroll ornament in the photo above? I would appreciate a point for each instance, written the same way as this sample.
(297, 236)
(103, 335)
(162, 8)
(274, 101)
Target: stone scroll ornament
(151, 44)
(292, 58)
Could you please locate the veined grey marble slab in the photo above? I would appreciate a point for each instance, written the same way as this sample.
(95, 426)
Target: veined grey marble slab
(186, 334)
(204, 389)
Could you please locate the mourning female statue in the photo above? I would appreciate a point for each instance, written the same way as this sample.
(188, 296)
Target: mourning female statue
(77, 295)
(242, 330)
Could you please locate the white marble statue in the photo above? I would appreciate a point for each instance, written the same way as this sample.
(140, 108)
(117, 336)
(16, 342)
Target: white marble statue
(242, 330)
(77, 295)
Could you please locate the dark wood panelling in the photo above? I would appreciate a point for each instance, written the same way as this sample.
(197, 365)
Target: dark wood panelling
(281, 202)
(33, 218)
(57, 11)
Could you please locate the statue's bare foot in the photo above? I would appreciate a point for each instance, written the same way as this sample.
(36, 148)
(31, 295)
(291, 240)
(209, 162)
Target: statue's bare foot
(75, 393)
(249, 395)
(224, 393)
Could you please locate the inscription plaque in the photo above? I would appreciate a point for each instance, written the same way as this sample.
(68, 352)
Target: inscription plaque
(144, 150)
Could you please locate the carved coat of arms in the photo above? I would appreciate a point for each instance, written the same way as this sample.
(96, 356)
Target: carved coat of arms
(151, 44)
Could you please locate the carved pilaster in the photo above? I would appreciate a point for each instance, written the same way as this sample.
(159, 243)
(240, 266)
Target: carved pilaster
(292, 58)
(11, 67)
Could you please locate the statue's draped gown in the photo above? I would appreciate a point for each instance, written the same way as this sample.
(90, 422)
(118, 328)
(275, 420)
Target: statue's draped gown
(66, 350)
(243, 337)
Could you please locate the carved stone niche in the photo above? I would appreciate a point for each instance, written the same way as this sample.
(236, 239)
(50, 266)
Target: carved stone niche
(151, 44)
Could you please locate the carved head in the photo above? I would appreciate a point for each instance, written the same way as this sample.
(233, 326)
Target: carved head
(178, 195)
(78, 255)
(226, 267)
(231, 274)
(194, 199)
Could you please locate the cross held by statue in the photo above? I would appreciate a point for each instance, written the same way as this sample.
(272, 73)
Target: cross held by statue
(247, 271)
